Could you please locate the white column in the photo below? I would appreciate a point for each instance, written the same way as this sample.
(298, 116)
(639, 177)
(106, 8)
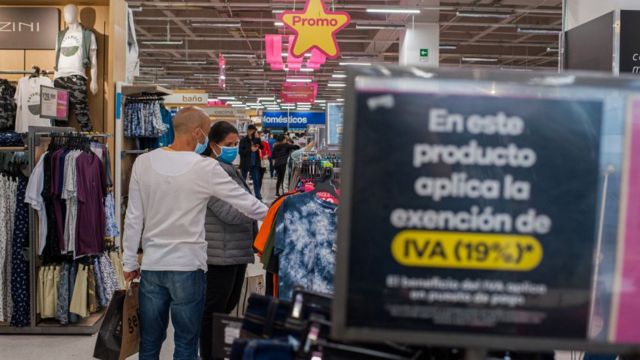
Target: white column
(579, 12)
(420, 37)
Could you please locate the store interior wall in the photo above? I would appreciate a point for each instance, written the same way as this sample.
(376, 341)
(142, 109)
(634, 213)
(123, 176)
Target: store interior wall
(579, 12)
(95, 18)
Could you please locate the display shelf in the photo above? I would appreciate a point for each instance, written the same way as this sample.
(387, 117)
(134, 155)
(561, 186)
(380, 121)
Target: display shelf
(12, 148)
(132, 90)
(87, 326)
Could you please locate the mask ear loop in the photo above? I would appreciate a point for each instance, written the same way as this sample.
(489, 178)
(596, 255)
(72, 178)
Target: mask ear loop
(214, 152)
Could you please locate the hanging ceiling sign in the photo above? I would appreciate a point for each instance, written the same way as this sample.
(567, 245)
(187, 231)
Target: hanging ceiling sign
(187, 99)
(222, 63)
(294, 93)
(316, 28)
(291, 120)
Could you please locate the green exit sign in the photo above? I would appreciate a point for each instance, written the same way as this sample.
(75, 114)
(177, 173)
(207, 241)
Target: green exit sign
(424, 52)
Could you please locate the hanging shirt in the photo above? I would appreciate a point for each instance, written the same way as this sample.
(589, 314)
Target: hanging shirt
(92, 188)
(70, 194)
(28, 103)
(168, 195)
(33, 197)
(72, 53)
(305, 244)
(59, 206)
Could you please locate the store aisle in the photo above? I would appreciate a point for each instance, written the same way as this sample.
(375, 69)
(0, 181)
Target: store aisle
(31, 347)
(81, 347)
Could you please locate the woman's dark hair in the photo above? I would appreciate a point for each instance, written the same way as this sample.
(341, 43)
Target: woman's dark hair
(219, 131)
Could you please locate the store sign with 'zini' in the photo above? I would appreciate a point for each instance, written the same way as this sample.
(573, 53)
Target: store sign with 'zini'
(315, 27)
(28, 28)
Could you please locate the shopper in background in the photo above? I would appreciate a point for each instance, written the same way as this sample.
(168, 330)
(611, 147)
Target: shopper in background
(272, 143)
(265, 155)
(280, 154)
(250, 158)
(229, 235)
(168, 196)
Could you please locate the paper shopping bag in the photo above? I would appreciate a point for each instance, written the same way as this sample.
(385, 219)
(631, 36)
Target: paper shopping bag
(110, 335)
(130, 323)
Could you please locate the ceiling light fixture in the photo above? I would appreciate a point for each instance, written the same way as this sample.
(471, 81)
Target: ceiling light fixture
(278, 23)
(477, 59)
(536, 31)
(239, 55)
(216, 25)
(163, 42)
(339, 76)
(136, 9)
(151, 68)
(248, 70)
(266, 99)
(336, 84)
(171, 79)
(380, 27)
(277, 11)
(299, 80)
(448, 47)
(553, 49)
(354, 64)
(481, 14)
(306, 70)
(226, 98)
(191, 62)
(393, 11)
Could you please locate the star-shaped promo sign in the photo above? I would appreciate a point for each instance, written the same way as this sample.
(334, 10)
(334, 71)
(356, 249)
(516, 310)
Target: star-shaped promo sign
(315, 27)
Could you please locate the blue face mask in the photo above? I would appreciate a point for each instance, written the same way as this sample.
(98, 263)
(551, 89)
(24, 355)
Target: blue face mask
(228, 154)
(201, 147)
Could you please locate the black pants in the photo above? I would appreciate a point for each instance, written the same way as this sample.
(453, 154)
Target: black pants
(272, 168)
(280, 171)
(262, 172)
(224, 286)
(78, 99)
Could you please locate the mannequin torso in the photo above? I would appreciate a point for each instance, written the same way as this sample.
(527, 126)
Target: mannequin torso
(71, 48)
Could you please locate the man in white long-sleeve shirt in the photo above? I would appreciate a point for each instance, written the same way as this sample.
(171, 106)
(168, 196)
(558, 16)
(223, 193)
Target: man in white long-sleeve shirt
(168, 195)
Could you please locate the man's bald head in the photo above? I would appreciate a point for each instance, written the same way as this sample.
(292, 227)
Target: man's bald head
(189, 119)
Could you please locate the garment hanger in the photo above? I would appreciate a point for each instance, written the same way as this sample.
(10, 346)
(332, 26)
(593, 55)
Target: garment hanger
(36, 72)
(325, 184)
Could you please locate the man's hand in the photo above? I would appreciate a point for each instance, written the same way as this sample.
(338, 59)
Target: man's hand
(130, 276)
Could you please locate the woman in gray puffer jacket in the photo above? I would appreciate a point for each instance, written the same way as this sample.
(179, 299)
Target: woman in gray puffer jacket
(229, 235)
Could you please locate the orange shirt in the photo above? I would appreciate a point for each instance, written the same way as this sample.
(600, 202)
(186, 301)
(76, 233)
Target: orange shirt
(263, 235)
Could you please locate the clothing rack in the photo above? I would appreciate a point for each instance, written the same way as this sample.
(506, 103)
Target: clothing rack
(36, 70)
(87, 326)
